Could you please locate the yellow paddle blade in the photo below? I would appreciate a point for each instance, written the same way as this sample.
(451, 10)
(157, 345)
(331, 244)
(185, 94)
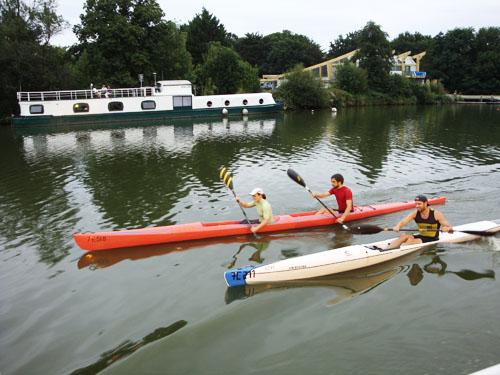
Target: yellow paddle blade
(226, 178)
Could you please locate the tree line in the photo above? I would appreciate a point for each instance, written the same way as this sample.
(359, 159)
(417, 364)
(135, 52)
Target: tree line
(118, 40)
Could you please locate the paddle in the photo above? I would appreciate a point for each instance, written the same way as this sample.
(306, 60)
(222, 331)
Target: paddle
(372, 229)
(295, 176)
(228, 181)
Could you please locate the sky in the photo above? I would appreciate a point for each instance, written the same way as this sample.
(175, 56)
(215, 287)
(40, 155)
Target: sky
(322, 21)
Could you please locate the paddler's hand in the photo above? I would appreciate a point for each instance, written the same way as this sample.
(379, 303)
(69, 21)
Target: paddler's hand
(237, 199)
(314, 195)
(254, 229)
(340, 220)
(396, 228)
(447, 230)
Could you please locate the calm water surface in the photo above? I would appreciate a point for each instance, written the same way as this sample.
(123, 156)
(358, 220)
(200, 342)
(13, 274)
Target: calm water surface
(166, 310)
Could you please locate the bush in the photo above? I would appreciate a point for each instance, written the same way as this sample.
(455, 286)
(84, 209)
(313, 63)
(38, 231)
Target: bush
(350, 78)
(302, 90)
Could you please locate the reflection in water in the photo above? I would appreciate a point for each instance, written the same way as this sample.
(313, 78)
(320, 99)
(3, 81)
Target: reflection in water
(259, 246)
(344, 286)
(127, 348)
(438, 266)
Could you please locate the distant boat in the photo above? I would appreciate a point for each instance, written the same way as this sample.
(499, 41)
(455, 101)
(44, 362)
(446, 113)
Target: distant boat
(166, 100)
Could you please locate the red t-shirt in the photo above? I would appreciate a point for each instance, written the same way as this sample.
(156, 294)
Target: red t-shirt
(343, 195)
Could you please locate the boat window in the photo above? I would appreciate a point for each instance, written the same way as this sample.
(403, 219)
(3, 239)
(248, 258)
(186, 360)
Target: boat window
(80, 107)
(36, 109)
(183, 101)
(148, 104)
(186, 101)
(227, 102)
(115, 106)
(245, 102)
(209, 103)
(261, 101)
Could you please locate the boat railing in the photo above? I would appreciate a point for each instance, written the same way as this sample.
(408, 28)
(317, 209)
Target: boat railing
(30, 96)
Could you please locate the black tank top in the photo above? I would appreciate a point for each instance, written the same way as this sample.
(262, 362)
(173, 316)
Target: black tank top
(426, 224)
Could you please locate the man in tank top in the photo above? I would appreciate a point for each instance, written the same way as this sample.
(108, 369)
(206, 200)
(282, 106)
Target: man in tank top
(428, 220)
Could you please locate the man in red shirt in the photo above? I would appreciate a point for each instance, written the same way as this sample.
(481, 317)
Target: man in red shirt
(343, 195)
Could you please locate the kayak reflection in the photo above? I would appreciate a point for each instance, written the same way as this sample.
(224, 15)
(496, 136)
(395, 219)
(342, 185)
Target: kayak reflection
(438, 266)
(344, 286)
(105, 258)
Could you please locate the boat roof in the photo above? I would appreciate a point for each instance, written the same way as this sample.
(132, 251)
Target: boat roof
(175, 82)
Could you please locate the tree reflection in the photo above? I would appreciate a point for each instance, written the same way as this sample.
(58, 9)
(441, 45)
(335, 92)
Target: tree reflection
(127, 348)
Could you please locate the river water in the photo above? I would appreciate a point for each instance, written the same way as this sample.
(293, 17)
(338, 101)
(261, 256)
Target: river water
(165, 309)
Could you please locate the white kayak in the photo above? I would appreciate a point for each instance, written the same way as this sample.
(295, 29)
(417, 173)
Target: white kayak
(344, 259)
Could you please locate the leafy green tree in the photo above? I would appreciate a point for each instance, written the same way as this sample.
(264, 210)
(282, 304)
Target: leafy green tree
(485, 77)
(28, 61)
(201, 30)
(451, 58)
(222, 71)
(350, 78)
(249, 81)
(415, 43)
(374, 55)
(302, 90)
(254, 49)
(342, 45)
(120, 39)
(286, 50)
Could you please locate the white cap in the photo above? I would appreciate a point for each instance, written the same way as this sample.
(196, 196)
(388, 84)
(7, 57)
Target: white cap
(257, 190)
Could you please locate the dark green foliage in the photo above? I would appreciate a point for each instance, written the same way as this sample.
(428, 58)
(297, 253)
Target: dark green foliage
(374, 55)
(28, 62)
(415, 43)
(342, 45)
(278, 52)
(223, 72)
(350, 78)
(302, 90)
(201, 30)
(121, 39)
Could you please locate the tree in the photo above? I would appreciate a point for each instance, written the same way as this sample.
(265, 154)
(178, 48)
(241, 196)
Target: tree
(224, 72)
(120, 39)
(28, 60)
(350, 78)
(342, 45)
(201, 30)
(301, 89)
(485, 77)
(451, 58)
(415, 43)
(286, 50)
(254, 49)
(374, 55)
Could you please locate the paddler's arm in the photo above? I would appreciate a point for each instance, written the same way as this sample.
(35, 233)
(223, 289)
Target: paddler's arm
(243, 204)
(341, 219)
(262, 223)
(320, 195)
(411, 216)
(446, 226)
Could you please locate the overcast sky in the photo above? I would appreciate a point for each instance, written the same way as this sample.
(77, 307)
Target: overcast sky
(321, 21)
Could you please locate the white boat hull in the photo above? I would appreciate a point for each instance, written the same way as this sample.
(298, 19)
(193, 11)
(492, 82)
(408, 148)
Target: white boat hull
(343, 259)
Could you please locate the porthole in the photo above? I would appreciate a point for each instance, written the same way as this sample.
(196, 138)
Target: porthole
(261, 101)
(227, 102)
(36, 109)
(245, 102)
(115, 106)
(80, 107)
(148, 104)
(209, 103)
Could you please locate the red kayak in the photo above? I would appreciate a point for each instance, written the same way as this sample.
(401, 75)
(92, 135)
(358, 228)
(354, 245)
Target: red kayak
(198, 230)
